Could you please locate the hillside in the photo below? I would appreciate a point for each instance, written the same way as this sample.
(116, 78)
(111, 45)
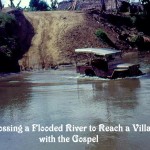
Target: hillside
(48, 39)
(57, 34)
(15, 39)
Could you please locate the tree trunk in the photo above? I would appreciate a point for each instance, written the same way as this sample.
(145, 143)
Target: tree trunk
(103, 5)
(116, 2)
(18, 4)
(1, 6)
(12, 4)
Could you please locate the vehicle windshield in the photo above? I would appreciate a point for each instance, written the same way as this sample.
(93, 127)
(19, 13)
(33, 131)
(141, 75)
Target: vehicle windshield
(97, 60)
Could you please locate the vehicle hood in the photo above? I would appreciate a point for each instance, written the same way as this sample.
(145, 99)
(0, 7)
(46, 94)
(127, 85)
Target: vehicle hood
(126, 65)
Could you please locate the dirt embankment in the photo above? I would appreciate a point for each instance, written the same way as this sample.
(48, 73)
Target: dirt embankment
(57, 34)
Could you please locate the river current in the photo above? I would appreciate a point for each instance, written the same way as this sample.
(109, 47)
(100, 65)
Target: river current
(61, 97)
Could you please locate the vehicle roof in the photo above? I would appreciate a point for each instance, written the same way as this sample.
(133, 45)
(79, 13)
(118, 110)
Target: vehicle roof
(98, 51)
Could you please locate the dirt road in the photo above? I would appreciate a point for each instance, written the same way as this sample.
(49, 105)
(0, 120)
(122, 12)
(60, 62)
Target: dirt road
(57, 34)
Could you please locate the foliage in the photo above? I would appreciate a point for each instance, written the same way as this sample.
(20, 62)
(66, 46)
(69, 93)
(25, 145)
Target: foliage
(133, 39)
(124, 6)
(43, 6)
(5, 51)
(138, 41)
(33, 3)
(15, 37)
(38, 5)
(146, 4)
(104, 38)
(6, 19)
(1, 6)
(121, 20)
(54, 4)
(133, 20)
(103, 5)
(101, 34)
(8, 41)
(12, 4)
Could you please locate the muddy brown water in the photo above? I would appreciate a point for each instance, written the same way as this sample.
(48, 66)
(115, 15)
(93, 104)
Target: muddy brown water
(62, 97)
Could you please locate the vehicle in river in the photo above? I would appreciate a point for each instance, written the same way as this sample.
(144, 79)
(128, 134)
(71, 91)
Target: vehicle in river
(103, 62)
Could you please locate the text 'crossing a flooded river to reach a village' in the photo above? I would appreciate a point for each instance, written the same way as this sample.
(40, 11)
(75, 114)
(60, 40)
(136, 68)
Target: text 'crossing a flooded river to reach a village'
(77, 132)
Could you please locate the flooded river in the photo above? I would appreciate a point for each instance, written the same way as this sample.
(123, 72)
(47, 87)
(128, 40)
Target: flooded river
(61, 97)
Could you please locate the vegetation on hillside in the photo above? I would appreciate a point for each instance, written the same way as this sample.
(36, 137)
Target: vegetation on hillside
(8, 42)
(41, 5)
(1, 6)
(104, 37)
(38, 5)
(146, 5)
(15, 39)
(126, 27)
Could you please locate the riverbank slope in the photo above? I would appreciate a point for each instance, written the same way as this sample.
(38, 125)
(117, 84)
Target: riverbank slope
(57, 34)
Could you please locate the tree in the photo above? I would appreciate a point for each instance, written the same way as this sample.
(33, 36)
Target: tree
(34, 3)
(12, 4)
(43, 6)
(146, 5)
(116, 3)
(53, 4)
(38, 5)
(1, 6)
(18, 5)
(103, 5)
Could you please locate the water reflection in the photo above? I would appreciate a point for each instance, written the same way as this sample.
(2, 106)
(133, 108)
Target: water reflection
(119, 93)
(14, 93)
(119, 98)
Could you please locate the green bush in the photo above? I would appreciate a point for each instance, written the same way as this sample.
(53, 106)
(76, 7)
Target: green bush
(146, 5)
(5, 51)
(124, 6)
(6, 19)
(104, 38)
(133, 20)
(133, 39)
(38, 5)
(101, 35)
(138, 40)
(8, 40)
